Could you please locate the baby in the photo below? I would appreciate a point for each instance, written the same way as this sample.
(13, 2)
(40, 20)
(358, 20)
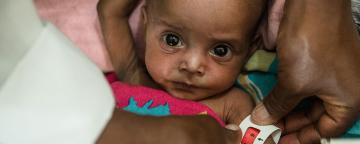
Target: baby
(194, 49)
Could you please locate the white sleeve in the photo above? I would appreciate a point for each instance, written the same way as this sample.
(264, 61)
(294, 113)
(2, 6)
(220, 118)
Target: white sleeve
(55, 94)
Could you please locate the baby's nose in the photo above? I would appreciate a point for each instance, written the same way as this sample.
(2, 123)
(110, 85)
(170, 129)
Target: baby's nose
(193, 63)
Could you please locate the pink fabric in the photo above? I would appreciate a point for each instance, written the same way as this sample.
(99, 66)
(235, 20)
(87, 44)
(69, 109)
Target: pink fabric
(78, 20)
(123, 92)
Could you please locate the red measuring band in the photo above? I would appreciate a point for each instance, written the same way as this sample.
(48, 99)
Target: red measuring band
(250, 135)
(257, 134)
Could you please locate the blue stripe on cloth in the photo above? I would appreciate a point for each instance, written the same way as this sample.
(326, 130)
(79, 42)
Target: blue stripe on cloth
(263, 81)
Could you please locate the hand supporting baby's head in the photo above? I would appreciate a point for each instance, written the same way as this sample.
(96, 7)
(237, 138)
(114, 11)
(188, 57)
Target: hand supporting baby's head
(195, 49)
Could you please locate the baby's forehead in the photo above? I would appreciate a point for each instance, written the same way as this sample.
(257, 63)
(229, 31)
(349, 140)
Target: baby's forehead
(208, 9)
(218, 15)
(253, 5)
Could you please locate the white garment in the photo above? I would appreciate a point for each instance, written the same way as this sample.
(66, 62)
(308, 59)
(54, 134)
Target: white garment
(52, 93)
(19, 28)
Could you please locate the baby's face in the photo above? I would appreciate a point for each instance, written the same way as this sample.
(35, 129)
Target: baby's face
(196, 48)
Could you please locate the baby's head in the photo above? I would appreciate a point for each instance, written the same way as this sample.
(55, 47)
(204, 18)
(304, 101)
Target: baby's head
(196, 48)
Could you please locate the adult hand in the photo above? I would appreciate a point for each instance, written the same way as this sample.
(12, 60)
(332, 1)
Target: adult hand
(116, 8)
(319, 53)
(129, 128)
(270, 25)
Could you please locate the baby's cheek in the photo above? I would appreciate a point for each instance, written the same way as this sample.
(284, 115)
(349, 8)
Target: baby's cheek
(153, 68)
(224, 79)
(157, 67)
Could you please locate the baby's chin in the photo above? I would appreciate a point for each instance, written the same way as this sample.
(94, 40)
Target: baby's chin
(187, 95)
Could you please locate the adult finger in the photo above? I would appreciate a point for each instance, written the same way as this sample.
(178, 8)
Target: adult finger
(312, 136)
(302, 118)
(334, 122)
(270, 26)
(279, 103)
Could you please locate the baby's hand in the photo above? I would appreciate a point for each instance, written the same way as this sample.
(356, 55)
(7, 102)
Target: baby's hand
(116, 8)
(231, 106)
(118, 39)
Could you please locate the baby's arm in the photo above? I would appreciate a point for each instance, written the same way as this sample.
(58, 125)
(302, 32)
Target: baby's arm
(232, 106)
(118, 39)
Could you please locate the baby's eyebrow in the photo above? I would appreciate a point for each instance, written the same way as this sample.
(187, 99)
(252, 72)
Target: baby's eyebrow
(168, 24)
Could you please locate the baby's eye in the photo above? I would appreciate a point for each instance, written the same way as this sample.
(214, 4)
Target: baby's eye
(221, 51)
(172, 40)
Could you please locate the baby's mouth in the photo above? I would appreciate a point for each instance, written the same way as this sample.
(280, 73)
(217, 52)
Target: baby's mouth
(184, 86)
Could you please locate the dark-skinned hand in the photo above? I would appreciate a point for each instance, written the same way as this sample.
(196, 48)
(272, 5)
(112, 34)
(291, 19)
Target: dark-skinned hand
(319, 52)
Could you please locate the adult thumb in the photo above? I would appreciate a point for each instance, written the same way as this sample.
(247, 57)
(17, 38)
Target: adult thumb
(275, 106)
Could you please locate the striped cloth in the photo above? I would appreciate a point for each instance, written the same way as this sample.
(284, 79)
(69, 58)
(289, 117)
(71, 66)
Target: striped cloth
(261, 76)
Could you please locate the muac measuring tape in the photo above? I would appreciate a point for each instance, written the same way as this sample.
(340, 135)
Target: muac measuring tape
(256, 134)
